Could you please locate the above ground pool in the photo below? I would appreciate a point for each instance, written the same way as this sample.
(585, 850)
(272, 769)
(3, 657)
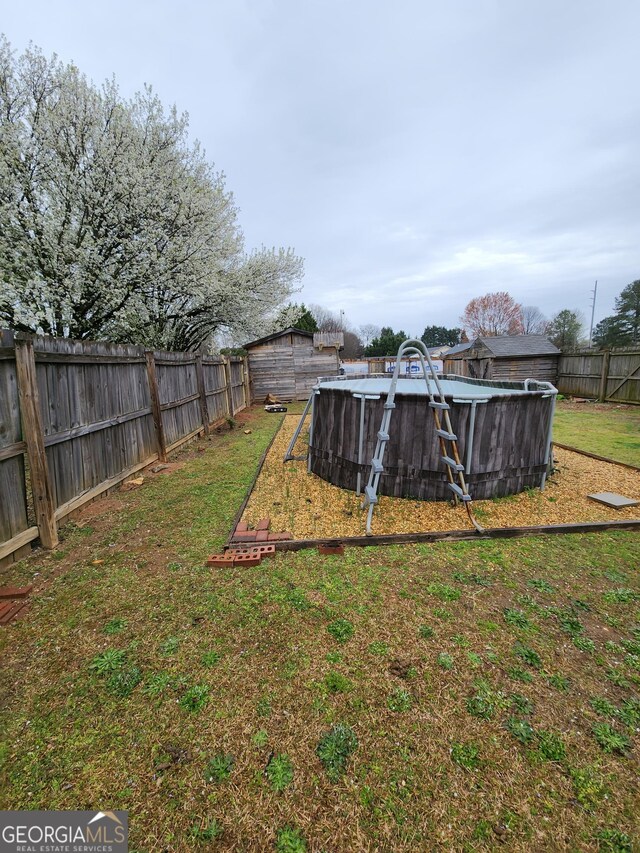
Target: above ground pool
(503, 433)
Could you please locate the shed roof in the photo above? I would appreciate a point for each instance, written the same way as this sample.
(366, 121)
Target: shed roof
(288, 331)
(458, 348)
(518, 345)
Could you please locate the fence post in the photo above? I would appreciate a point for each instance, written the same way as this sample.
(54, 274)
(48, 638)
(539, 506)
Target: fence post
(204, 411)
(604, 375)
(155, 405)
(227, 380)
(33, 435)
(247, 381)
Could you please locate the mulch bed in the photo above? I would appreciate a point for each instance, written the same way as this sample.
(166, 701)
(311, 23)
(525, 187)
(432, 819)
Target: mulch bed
(311, 508)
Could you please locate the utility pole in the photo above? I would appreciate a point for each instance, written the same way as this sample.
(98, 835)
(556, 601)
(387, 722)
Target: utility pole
(593, 310)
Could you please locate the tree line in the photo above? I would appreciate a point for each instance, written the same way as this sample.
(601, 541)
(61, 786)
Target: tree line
(114, 225)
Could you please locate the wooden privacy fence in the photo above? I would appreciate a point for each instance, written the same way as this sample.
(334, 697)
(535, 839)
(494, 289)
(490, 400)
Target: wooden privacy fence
(77, 418)
(603, 374)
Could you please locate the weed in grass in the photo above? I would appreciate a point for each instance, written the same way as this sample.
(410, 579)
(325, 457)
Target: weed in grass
(487, 627)
(263, 708)
(334, 749)
(631, 646)
(516, 618)
(584, 644)
(589, 786)
(219, 768)
(483, 830)
(528, 655)
(341, 630)
(378, 647)
(157, 683)
(297, 599)
(290, 840)
(622, 595)
(335, 682)
(528, 601)
(632, 661)
(518, 674)
(279, 772)
(211, 658)
(615, 576)
(541, 585)
(115, 626)
(425, 632)
(570, 623)
(170, 646)
(108, 661)
(444, 592)
(613, 841)
(400, 701)
(610, 740)
(466, 755)
(209, 832)
(603, 706)
(618, 678)
(333, 657)
(174, 567)
(461, 641)
(260, 738)
(579, 604)
(124, 681)
(480, 705)
(520, 729)
(474, 659)
(521, 703)
(559, 682)
(629, 712)
(195, 698)
(442, 613)
(551, 746)
(445, 661)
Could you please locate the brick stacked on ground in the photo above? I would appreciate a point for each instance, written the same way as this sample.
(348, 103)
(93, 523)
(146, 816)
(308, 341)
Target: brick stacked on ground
(13, 601)
(260, 533)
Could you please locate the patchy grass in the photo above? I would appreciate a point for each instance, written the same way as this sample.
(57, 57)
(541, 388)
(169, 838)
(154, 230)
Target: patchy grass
(607, 429)
(469, 695)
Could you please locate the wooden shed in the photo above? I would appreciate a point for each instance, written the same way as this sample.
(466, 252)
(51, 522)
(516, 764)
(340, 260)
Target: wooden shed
(508, 358)
(288, 364)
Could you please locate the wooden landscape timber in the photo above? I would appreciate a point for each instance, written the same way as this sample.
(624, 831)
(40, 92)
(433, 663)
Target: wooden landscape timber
(595, 456)
(88, 415)
(458, 535)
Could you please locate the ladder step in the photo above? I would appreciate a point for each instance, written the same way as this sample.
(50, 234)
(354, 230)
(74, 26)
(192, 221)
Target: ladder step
(389, 405)
(370, 495)
(458, 491)
(383, 436)
(448, 436)
(377, 466)
(452, 463)
(443, 406)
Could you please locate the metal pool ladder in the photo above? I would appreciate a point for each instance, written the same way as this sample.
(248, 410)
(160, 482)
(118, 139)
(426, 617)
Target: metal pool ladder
(446, 436)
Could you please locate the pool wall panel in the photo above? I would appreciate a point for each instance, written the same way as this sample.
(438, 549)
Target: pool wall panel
(509, 444)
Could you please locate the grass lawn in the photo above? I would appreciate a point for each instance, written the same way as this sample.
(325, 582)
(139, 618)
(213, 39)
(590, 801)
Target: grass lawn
(606, 429)
(463, 696)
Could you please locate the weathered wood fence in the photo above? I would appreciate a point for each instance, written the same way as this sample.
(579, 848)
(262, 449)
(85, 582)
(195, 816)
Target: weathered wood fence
(603, 374)
(77, 418)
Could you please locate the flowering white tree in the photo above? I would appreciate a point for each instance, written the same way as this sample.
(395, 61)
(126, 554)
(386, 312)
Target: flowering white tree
(113, 225)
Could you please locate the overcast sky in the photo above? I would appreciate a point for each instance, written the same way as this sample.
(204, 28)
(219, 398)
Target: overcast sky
(416, 154)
